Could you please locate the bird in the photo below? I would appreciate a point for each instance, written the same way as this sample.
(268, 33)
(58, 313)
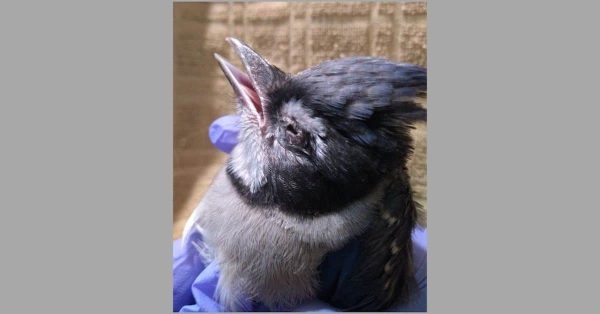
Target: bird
(320, 163)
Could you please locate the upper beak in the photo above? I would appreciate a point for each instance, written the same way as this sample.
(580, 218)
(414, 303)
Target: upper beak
(251, 88)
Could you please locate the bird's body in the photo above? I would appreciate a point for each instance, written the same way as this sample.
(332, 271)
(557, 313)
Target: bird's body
(320, 161)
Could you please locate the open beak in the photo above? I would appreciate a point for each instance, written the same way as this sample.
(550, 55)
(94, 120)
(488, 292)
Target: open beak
(250, 88)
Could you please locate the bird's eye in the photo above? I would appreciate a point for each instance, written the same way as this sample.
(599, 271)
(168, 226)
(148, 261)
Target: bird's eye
(291, 130)
(296, 136)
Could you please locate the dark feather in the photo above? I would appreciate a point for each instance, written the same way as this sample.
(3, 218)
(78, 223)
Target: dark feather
(383, 276)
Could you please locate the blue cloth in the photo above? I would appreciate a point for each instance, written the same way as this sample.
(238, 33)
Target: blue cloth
(194, 283)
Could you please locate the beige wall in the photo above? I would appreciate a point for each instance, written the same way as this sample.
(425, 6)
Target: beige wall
(293, 36)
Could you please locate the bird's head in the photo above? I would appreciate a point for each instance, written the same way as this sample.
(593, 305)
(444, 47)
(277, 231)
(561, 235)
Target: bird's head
(314, 141)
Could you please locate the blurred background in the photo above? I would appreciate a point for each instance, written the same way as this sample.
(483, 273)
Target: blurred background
(293, 36)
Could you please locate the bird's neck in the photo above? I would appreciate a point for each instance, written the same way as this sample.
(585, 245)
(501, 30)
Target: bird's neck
(315, 200)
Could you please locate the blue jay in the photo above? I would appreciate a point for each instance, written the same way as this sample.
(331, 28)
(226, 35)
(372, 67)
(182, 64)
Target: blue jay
(321, 161)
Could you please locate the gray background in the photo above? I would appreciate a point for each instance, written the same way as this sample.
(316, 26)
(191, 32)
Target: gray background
(86, 166)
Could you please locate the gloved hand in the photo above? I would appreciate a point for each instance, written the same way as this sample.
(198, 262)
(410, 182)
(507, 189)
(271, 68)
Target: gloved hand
(224, 131)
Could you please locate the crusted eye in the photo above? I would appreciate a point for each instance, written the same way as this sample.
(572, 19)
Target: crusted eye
(295, 135)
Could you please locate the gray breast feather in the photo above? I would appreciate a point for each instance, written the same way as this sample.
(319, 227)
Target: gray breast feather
(265, 254)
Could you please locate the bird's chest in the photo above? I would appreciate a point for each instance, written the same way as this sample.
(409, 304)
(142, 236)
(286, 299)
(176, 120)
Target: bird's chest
(260, 254)
(266, 253)
(230, 224)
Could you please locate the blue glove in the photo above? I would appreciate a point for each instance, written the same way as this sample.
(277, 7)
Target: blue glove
(194, 282)
(223, 132)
